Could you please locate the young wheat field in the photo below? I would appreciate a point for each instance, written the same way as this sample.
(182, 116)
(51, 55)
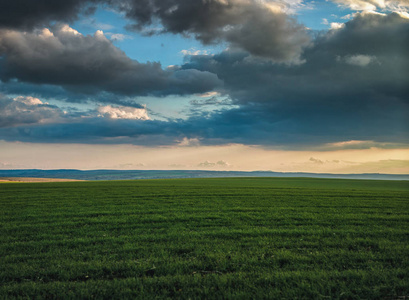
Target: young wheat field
(237, 238)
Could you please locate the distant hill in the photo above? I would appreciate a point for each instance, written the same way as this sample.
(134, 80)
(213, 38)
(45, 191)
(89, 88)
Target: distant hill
(156, 174)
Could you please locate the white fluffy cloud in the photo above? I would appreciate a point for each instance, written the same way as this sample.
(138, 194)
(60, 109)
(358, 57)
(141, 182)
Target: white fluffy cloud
(372, 5)
(123, 112)
(28, 100)
(194, 51)
(336, 25)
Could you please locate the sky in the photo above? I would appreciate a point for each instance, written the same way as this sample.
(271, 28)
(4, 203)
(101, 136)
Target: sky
(281, 85)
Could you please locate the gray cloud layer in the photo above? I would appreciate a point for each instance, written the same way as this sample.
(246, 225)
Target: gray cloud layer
(326, 74)
(26, 110)
(26, 14)
(89, 64)
(326, 98)
(257, 27)
(353, 84)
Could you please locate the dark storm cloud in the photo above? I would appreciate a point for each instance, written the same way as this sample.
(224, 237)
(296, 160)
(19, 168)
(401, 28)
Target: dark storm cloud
(96, 130)
(90, 64)
(308, 126)
(258, 27)
(353, 85)
(247, 125)
(43, 91)
(26, 14)
(383, 38)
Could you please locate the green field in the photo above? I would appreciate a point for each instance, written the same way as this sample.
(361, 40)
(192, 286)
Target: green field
(238, 238)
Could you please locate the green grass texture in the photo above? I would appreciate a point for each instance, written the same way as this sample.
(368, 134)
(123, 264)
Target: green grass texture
(236, 238)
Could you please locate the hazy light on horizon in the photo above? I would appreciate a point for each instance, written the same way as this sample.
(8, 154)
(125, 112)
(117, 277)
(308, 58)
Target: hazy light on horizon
(234, 157)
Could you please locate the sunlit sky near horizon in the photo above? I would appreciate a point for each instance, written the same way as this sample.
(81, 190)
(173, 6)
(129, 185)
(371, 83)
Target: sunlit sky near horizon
(280, 85)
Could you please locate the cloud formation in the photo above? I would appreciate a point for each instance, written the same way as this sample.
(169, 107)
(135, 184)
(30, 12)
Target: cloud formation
(26, 110)
(261, 28)
(90, 64)
(372, 5)
(352, 85)
(26, 14)
(123, 112)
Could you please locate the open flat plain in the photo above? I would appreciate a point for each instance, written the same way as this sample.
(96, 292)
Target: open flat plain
(237, 238)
